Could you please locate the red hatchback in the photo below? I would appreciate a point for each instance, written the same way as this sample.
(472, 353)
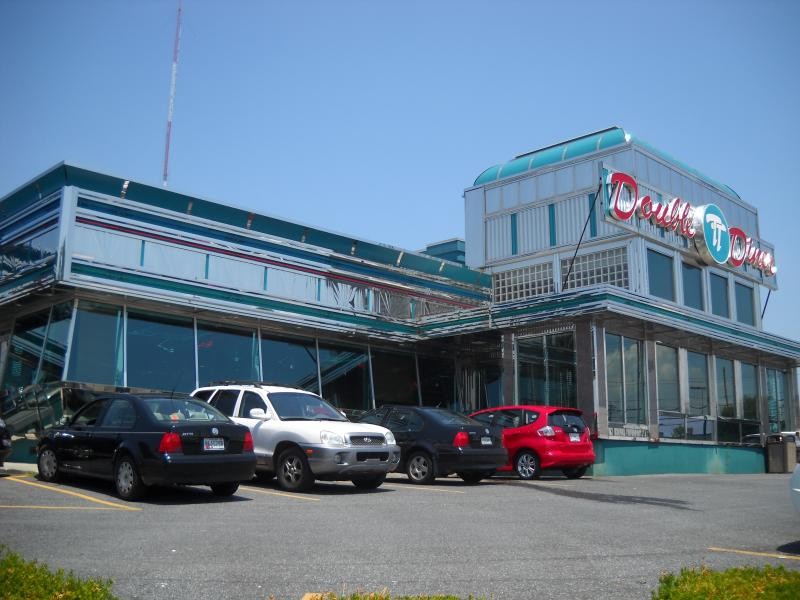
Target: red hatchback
(542, 437)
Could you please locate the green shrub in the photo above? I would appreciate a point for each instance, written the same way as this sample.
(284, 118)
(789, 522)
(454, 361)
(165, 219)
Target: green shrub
(21, 579)
(743, 583)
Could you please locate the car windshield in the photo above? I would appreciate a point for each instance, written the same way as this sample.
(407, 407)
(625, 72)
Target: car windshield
(448, 417)
(182, 409)
(295, 406)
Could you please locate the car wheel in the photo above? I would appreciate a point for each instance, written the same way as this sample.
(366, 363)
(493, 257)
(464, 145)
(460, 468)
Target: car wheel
(126, 478)
(527, 465)
(576, 473)
(369, 483)
(474, 477)
(225, 489)
(419, 468)
(48, 465)
(294, 474)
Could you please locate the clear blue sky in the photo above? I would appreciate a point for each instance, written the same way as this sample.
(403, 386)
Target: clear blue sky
(371, 117)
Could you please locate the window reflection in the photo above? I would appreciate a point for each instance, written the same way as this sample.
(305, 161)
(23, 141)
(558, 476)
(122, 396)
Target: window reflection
(719, 295)
(345, 376)
(56, 345)
(437, 380)
(225, 354)
(160, 352)
(745, 307)
(395, 378)
(693, 287)
(698, 384)
(660, 276)
(96, 354)
(25, 349)
(290, 362)
(546, 370)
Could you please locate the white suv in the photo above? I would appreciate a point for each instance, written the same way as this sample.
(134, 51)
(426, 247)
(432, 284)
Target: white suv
(299, 437)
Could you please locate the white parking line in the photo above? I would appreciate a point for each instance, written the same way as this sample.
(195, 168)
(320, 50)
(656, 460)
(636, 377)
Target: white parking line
(421, 488)
(751, 553)
(284, 495)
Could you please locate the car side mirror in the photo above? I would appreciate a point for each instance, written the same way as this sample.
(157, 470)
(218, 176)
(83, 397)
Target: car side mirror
(259, 413)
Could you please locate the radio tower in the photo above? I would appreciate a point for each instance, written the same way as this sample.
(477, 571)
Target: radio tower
(172, 90)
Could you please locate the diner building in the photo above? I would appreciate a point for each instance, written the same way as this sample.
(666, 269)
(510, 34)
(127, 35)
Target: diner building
(597, 273)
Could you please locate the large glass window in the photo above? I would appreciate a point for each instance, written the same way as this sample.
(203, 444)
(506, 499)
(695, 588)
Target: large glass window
(160, 352)
(726, 394)
(745, 306)
(625, 379)
(667, 381)
(660, 275)
(56, 345)
(25, 350)
(698, 384)
(749, 391)
(395, 378)
(345, 376)
(290, 362)
(96, 352)
(437, 378)
(718, 286)
(693, 287)
(776, 400)
(546, 370)
(226, 354)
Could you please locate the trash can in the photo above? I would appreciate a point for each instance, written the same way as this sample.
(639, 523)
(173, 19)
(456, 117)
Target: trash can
(781, 453)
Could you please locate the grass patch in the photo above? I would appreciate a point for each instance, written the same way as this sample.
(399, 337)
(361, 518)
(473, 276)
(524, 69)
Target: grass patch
(21, 579)
(741, 583)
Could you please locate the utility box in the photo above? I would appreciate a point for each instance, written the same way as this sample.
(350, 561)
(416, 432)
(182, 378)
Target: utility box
(781, 453)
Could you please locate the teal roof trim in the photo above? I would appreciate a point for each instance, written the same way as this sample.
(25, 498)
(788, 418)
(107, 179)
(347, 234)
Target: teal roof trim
(65, 175)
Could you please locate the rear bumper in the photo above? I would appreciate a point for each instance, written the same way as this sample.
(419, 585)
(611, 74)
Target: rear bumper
(198, 470)
(345, 463)
(557, 458)
(465, 460)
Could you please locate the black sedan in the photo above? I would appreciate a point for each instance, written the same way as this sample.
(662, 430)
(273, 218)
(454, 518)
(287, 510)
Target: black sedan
(435, 442)
(143, 440)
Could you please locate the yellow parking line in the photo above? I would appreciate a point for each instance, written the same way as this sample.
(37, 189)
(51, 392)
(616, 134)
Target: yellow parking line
(76, 494)
(57, 507)
(422, 488)
(750, 553)
(294, 496)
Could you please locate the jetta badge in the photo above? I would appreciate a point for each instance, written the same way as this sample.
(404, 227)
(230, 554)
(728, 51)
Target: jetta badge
(214, 431)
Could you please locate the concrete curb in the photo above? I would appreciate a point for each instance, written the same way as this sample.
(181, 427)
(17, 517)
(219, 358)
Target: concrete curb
(15, 468)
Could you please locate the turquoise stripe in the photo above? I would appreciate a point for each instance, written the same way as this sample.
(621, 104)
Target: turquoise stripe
(514, 248)
(551, 217)
(592, 216)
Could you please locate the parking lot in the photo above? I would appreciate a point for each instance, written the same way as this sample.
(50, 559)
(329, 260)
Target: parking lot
(503, 538)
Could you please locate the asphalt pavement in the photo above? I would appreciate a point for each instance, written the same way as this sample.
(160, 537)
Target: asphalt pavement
(596, 537)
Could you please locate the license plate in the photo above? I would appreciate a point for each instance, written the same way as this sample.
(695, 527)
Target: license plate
(574, 437)
(486, 441)
(213, 444)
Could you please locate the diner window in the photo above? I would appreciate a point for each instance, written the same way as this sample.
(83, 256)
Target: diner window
(290, 362)
(96, 353)
(160, 352)
(660, 275)
(692, 287)
(345, 376)
(745, 306)
(546, 370)
(698, 384)
(718, 285)
(395, 378)
(437, 378)
(225, 354)
(749, 391)
(56, 345)
(776, 400)
(726, 392)
(25, 349)
(667, 382)
(625, 380)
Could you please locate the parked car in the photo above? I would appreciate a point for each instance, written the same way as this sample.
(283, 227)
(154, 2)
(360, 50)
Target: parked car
(300, 437)
(436, 442)
(143, 440)
(5, 442)
(542, 437)
(794, 488)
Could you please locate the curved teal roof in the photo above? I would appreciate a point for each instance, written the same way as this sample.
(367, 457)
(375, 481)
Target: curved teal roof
(581, 146)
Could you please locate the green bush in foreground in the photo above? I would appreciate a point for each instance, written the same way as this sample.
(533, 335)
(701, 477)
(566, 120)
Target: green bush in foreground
(743, 583)
(29, 580)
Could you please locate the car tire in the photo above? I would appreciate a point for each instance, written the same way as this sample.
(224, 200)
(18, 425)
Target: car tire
(474, 477)
(127, 481)
(294, 474)
(224, 489)
(575, 473)
(420, 469)
(527, 465)
(369, 483)
(48, 466)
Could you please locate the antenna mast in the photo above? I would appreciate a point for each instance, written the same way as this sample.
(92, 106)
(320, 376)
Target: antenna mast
(172, 90)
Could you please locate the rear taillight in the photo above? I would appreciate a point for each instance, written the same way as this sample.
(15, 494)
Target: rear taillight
(546, 431)
(247, 446)
(170, 443)
(461, 440)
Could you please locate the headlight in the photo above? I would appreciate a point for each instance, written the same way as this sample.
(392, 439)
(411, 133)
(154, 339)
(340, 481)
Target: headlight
(2, 423)
(329, 438)
(389, 438)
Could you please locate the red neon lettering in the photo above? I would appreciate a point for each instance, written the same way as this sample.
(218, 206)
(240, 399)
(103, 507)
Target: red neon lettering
(618, 181)
(739, 243)
(645, 207)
